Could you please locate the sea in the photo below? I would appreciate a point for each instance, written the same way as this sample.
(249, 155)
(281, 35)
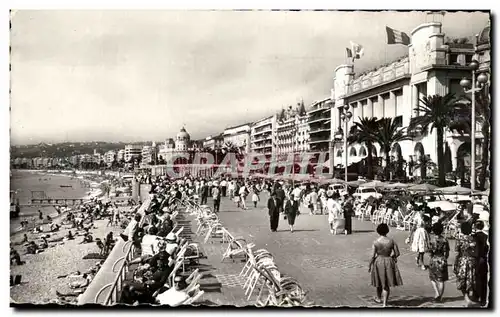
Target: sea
(29, 184)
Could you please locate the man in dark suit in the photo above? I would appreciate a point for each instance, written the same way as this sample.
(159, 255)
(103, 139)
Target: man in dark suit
(280, 196)
(273, 206)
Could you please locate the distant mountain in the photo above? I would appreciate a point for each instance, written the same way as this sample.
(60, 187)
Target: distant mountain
(67, 149)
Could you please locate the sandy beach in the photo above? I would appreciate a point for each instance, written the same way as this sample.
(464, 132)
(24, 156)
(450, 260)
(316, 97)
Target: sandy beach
(26, 182)
(39, 273)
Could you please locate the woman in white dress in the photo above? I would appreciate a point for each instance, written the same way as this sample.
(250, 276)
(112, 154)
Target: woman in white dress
(335, 218)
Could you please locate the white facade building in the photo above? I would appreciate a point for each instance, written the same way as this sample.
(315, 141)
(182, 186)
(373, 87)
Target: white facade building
(239, 136)
(109, 157)
(182, 141)
(394, 90)
(120, 155)
(263, 136)
(132, 152)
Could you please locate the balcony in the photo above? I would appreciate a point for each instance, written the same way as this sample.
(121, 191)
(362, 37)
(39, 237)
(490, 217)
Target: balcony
(319, 139)
(263, 146)
(260, 131)
(378, 77)
(319, 130)
(319, 118)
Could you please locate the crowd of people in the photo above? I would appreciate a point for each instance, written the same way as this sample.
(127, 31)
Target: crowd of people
(154, 236)
(158, 247)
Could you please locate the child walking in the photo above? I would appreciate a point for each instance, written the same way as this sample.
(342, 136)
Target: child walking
(255, 197)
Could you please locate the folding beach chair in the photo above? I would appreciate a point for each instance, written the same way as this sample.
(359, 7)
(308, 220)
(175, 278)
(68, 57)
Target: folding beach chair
(194, 298)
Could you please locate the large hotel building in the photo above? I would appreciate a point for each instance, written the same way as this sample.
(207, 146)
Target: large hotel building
(432, 67)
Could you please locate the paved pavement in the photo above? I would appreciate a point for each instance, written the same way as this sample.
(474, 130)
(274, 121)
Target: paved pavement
(333, 269)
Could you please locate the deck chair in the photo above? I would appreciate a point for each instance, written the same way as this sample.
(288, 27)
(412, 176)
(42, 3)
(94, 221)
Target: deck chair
(388, 216)
(248, 264)
(408, 220)
(172, 275)
(235, 248)
(194, 298)
(373, 217)
(367, 212)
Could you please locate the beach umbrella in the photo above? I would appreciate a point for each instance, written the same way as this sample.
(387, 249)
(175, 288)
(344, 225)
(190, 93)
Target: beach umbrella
(457, 190)
(374, 184)
(422, 188)
(356, 183)
(333, 181)
(444, 205)
(397, 186)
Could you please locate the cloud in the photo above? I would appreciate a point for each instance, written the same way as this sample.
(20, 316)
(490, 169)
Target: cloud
(141, 75)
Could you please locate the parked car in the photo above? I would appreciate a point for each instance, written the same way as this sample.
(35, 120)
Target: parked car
(338, 188)
(363, 193)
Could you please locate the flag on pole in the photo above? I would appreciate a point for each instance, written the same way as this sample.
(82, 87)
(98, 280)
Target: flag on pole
(357, 51)
(397, 37)
(349, 52)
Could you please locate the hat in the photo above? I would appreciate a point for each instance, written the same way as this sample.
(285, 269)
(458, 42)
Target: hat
(329, 193)
(165, 209)
(171, 237)
(178, 279)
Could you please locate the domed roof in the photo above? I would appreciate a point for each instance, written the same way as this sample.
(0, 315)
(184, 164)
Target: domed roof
(484, 36)
(183, 134)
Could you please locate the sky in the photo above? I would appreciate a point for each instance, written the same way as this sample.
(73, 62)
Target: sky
(142, 75)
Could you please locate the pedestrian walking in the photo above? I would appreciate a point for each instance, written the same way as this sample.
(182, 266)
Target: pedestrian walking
(420, 243)
(290, 213)
(216, 194)
(466, 263)
(439, 250)
(255, 197)
(280, 196)
(204, 193)
(274, 211)
(348, 214)
(383, 265)
(313, 201)
(334, 212)
(243, 196)
(481, 239)
(223, 186)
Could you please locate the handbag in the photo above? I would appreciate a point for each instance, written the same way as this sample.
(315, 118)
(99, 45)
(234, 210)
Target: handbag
(284, 216)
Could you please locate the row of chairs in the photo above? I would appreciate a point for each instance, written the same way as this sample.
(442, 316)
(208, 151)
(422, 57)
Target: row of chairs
(264, 284)
(396, 218)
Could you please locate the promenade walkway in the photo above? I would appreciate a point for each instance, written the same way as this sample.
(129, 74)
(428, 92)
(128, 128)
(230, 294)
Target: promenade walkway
(333, 269)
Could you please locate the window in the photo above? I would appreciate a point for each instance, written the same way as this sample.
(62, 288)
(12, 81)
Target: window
(368, 190)
(352, 152)
(339, 153)
(362, 152)
(399, 121)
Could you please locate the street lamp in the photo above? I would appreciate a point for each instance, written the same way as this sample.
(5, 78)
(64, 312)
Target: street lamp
(472, 88)
(345, 116)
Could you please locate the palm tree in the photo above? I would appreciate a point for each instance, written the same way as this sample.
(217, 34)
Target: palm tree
(423, 164)
(437, 112)
(483, 116)
(362, 132)
(388, 133)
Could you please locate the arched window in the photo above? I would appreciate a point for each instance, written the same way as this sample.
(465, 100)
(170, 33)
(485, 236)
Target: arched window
(352, 152)
(362, 152)
(339, 153)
